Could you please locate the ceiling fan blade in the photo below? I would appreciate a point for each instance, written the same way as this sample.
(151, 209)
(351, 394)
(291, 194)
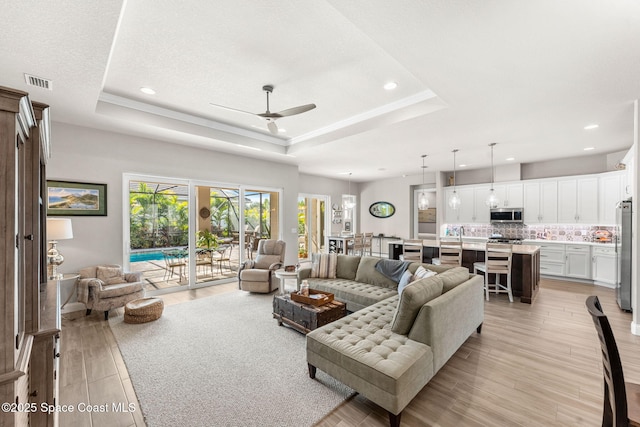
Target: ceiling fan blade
(273, 128)
(296, 110)
(232, 109)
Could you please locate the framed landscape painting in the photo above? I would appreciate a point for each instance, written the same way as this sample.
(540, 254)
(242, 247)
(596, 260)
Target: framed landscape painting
(76, 198)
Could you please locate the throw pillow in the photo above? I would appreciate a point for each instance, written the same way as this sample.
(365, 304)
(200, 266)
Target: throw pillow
(453, 277)
(404, 281)
(413, 297)
(115, 281)
(324, 265)
(347, 266)
(107, 273)
(422, 273)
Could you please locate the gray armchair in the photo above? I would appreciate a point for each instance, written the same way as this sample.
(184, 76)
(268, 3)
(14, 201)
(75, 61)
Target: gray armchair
(104, 287)
(257, 275)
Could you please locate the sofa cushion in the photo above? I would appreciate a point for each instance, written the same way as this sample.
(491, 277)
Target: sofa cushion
(453, 277)
(106, 274)
(112, 291)
(367, 273)
(265, 261)
(324, 265)
(347, 266)
(413, 297)
(115, 280)
(356, 295)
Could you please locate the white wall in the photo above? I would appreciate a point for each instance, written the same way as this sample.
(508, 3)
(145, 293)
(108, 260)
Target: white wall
(397, 191)
(89, 155)
(334, 188)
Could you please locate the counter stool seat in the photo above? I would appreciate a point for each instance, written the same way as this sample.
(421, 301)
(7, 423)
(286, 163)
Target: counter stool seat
(498, 258)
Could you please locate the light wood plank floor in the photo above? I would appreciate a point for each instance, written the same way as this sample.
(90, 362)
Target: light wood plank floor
(533, 365)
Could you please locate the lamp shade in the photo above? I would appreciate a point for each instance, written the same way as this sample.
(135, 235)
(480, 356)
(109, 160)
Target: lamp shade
(59, 229)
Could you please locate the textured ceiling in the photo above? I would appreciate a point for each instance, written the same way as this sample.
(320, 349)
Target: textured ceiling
(526, 75)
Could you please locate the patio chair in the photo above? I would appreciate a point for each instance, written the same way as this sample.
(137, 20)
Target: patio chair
(225, 257)
(257, 275)
(174, 260)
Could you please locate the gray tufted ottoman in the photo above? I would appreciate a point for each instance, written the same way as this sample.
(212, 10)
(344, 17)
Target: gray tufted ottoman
(361, 351)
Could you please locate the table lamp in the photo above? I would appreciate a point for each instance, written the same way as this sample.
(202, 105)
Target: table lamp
(57, 229)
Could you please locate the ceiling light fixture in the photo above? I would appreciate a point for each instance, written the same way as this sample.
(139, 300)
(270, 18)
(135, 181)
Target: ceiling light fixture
(492, 200)
(349, 200)
(390, 85)
(591, 127)
(423, 200)
(454, 199)
(589, 148)
(147, 90)
(510, 159)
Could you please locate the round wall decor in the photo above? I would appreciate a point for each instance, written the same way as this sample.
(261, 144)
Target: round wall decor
(205, 213)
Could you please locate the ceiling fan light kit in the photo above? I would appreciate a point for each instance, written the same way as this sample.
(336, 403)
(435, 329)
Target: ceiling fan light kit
(272, 117)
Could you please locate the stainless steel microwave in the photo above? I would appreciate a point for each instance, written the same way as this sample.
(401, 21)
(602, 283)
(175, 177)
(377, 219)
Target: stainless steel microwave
(506, 215)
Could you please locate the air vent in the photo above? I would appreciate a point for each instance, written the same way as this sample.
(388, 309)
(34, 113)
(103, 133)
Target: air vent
(38, 82)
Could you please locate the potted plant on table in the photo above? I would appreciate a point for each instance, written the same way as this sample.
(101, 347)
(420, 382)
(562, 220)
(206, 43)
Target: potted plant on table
(207, 240)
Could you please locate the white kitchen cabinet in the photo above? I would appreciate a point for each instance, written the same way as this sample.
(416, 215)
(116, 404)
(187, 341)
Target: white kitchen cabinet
(540, 203)
(552, 259)
(481, 210)
(578, 261)
(578, 200)
(509, 195)
(610, 188)
(628, 175)
(603, 265)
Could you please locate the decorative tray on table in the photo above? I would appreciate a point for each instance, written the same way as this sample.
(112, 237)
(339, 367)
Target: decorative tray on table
(316, 298)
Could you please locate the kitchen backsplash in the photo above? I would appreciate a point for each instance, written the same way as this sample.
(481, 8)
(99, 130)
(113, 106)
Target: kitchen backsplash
(568, 233)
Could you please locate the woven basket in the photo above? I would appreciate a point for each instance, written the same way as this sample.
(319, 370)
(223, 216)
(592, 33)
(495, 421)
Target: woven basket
(143, 310)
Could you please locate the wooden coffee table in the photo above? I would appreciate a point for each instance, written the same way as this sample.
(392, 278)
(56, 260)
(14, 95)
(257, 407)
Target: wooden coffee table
(304, 317)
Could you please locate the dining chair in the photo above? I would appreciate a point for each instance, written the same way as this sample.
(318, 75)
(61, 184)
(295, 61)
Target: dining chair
(497, 260)
(368, 241)
(356, 246)
(621, 405)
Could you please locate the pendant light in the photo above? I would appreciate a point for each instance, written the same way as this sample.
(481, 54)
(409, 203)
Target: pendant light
(492, 200)
(423, 200)
(349, 200)
(454, 199)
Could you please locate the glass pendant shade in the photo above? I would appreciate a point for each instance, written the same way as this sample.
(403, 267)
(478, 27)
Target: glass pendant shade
(349, 200)
(492, 200)
(423, 201)
(454, 200)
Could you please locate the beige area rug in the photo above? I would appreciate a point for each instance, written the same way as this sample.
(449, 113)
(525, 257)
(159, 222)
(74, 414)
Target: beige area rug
(224, 361)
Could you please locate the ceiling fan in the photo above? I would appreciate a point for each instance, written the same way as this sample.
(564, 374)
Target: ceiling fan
(271, 117)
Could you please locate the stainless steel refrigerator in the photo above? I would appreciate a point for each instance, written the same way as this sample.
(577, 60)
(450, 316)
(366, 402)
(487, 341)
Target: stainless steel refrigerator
(623, 254)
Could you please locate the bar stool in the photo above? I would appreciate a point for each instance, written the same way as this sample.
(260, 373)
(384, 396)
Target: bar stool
(358, 244)
(411, 250)
(497, 261)
(368, 238)
(450, 253)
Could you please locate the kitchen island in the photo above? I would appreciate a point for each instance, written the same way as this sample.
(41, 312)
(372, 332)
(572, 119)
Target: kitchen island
(525, 266)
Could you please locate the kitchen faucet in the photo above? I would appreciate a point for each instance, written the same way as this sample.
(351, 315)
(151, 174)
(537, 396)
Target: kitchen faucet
(461, 232)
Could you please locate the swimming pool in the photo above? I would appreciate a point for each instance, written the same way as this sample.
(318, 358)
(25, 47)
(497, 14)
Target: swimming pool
(146, 256)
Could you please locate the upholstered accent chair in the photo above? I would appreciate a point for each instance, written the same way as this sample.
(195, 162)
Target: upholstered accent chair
(257, 275)
(103, 287)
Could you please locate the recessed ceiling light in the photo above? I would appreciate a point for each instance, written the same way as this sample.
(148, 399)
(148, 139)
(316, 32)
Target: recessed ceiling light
(147, 90)
(281, 130)
(462, 166)
(390, 85)
(589, 148)
(592, 126)
(509, 159)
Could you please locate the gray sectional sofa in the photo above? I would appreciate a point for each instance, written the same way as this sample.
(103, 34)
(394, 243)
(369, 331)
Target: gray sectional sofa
(390, 347)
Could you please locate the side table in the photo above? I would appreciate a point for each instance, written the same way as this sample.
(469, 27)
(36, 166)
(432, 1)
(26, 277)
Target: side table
(68, 278)
(284, 276)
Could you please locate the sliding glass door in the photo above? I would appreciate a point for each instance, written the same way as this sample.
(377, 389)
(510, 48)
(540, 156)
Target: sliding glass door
(182, 233)
(312, 222)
